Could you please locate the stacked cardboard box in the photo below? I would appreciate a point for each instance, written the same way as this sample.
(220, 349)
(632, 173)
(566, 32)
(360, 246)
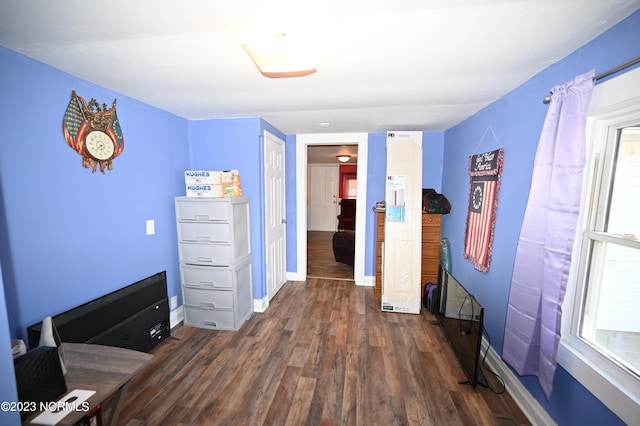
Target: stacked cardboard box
(210, 183)
(230, 180)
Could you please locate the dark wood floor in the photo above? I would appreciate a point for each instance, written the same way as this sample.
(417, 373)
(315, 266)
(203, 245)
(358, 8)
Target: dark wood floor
(323, 353)
(321, 262)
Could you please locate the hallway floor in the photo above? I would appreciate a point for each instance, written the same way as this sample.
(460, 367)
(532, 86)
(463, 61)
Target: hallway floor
(321, 262)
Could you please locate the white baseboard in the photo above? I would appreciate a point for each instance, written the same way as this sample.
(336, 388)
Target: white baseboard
(296, 276)
(176, 316)
(530, 407)
(366, 281)
(260, 305)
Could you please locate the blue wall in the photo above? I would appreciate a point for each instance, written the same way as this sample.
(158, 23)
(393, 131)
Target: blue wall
(432, 153)
(238, 144)
(290, 189)
(376, 172)
(516, 120)
(70, 236)
(8, 391)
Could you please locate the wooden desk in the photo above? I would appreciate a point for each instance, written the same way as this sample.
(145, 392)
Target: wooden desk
(104, 369)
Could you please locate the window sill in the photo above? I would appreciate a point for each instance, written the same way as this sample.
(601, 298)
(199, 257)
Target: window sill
(614, 388)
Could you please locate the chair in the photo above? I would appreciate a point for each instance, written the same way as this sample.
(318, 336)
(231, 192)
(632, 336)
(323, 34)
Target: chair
(344, 246)
(347, 216)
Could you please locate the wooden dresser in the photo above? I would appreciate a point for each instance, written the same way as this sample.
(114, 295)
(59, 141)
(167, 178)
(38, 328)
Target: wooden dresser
(431, 224)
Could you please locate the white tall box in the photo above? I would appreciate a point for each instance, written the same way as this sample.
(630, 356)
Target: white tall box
(402, 252)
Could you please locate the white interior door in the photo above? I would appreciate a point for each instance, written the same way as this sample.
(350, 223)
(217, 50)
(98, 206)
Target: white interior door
(323, 197)
(275, 213)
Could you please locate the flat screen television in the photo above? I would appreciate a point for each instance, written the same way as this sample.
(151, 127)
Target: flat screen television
(134, 317)
(461, 316)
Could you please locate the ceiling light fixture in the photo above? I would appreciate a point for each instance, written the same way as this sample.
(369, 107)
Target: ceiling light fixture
(344, 158)
(280, 56)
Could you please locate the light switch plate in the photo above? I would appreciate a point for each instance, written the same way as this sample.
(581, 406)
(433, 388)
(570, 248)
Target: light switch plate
(151, 227)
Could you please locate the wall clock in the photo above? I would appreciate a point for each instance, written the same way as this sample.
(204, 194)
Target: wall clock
(93, 130)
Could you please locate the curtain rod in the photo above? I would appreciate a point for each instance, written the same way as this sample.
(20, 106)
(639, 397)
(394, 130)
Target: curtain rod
(607, 73)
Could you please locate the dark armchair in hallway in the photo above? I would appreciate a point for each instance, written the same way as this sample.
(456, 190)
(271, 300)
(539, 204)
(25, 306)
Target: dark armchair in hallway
(347, 216)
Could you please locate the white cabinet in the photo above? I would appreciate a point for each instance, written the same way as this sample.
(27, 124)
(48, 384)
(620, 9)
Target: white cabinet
(214, 246)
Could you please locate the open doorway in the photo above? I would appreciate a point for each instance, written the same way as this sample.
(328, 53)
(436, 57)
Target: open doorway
(332, 195)
(303, 143)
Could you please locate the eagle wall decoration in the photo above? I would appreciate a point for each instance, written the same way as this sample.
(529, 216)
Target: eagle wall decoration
(93, 131)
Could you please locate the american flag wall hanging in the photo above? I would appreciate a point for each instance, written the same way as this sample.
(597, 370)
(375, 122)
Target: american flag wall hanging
(93, 130)
(485, 171)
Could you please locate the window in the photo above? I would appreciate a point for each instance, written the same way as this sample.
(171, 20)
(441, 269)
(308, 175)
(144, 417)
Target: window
(609, 318)
(349, 187)
(352, 188)
(600, 343)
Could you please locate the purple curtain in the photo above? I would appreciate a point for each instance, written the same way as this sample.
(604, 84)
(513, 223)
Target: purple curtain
(543, 256)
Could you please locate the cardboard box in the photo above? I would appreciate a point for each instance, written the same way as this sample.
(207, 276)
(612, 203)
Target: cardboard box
(211, 183)
(205, 190)
(231, 183)
(202, 176)
(231, 189)
(230, 176)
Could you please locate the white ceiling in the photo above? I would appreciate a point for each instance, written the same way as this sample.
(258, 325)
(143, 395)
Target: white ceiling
(382, 65)
(327, 154)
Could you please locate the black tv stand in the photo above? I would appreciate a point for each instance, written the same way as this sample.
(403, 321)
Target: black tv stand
(467, 382)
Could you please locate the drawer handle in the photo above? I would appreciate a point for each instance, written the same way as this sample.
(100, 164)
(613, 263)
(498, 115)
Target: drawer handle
(205, 259)
(207, 304)
(207, 284)
(202, 217)
(211, 323)
(201, 238)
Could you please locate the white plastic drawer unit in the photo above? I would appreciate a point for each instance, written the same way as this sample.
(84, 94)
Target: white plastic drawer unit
(202, 210)
(205, 254)
(204, 232)
(208, 299)
(214, 248)
(206, 277)
(209, 318)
